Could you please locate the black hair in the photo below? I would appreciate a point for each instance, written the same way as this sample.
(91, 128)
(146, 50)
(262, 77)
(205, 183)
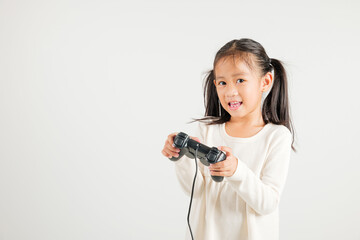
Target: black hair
(275, 108)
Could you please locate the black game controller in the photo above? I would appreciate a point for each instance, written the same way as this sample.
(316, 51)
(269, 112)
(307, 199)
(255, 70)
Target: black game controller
(205, 154)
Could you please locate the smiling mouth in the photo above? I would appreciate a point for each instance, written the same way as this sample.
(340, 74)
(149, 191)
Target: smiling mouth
(234, 105)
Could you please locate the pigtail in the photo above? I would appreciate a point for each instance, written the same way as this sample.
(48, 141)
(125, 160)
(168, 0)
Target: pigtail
(210, 96)
(276, 107)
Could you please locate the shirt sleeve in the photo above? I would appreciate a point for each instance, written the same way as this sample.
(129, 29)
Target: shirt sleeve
(262, 193)
(185, 169)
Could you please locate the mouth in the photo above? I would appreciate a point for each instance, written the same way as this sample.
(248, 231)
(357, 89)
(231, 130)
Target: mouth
(234, 105)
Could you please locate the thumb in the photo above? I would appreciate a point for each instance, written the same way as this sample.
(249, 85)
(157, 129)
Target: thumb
(227, 150)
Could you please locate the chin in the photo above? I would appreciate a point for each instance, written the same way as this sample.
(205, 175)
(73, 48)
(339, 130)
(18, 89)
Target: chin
(236, 114)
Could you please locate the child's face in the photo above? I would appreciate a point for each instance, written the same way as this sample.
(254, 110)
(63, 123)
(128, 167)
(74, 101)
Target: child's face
(239, 88)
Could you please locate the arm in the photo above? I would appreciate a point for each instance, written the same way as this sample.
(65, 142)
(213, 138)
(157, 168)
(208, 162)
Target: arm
(185, 172)
(262, 193)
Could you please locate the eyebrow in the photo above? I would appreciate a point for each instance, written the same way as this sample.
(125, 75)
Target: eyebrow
(236, 74)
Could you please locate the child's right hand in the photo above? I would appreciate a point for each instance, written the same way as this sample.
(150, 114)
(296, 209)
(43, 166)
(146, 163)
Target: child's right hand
(169, 150)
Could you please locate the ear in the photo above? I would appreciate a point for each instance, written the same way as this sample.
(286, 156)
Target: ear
(215, 82)
(266, 82)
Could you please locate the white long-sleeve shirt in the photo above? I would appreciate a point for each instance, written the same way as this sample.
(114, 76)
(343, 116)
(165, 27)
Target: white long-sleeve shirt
(245, 205)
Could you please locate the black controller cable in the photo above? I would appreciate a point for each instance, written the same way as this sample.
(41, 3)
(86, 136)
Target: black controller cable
(192, 191)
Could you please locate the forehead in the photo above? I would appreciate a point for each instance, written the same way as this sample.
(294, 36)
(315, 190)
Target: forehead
(230, 66)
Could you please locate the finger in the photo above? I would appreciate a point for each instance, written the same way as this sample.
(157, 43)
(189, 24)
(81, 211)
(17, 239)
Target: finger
(171, 138)
(163, 152)
(227, 150)
(171, 148)
(220, 173)
(217, 166)
(226, 164)
(223, 168)
(172, 153)
(169, 154)
(217, 173)
(170, 141)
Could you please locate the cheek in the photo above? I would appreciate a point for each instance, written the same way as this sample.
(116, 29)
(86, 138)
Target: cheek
(220, 93)
(252, 95)
(221, 96)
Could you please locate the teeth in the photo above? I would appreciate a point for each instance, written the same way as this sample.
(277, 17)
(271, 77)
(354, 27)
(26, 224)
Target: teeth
(234, 103)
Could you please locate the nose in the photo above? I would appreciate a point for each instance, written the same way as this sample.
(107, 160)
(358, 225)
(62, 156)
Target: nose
(231, 91)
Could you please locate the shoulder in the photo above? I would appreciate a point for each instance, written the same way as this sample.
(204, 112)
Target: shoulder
(280, 133)
(279, 143)
(205, 128)
(204, 124)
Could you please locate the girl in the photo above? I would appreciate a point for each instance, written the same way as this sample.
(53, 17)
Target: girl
(256, 136)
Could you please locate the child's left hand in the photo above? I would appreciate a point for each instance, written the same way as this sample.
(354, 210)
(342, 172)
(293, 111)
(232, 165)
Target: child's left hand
(227, 167)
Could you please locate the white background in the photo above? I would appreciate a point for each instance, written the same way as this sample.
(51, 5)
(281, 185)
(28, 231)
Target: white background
(89, 90)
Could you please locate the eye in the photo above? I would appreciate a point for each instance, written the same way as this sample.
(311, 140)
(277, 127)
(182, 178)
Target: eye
(240, 80)
(222, 83)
